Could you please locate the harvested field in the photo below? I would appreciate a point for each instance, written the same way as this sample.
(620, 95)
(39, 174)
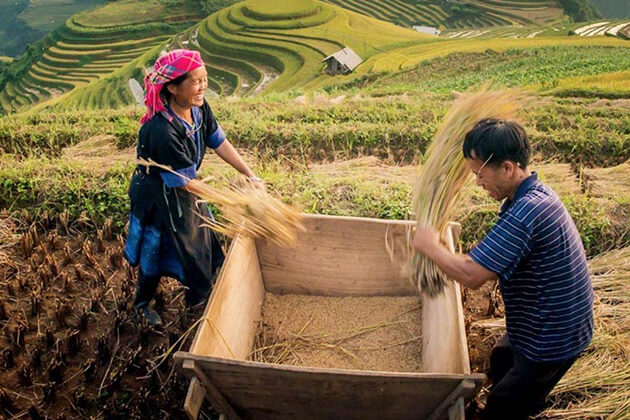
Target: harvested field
(70, 342)
(367, 333)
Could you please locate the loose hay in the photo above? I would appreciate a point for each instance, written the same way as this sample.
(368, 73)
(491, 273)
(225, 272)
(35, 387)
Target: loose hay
(445, 172)
(245, 209)
(597, 385)
(366, 333)
(609, 182)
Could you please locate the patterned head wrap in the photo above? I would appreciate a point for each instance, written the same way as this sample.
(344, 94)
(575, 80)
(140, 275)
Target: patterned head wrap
(167, 67)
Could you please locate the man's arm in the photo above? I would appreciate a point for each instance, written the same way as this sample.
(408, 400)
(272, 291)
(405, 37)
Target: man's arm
(459, 267)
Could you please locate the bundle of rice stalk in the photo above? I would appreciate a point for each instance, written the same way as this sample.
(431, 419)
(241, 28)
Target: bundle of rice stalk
(245, 209)
(445, 173)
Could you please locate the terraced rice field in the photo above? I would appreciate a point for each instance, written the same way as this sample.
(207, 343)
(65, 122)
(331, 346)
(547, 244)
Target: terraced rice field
(583, 71)
(615, 29)
(45, 15)
(478, 13)
(409, 57)
(605, 28)
(255, 45)
(610, 85)
(92, 45)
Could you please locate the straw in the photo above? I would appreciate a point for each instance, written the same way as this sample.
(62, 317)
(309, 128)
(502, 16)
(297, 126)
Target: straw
(244, 209)
(445, 173)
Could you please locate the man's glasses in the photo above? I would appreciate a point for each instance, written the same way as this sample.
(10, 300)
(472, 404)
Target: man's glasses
(478, 173)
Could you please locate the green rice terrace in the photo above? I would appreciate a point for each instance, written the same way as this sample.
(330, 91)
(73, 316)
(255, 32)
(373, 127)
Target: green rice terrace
(91, 45)
(23, 22)
(252, 47)
(459, 14)
(351, 144)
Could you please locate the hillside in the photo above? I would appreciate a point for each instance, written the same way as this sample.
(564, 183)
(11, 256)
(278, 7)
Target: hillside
(23, 22)
(612, 28)
(288, 46)
(65, 177)
(91, 45)
(459, 14)
(613, 9)
(247, 52)
(264, 46)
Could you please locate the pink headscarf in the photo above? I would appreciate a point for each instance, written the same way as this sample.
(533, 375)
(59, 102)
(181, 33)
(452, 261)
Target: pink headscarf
(166, 68)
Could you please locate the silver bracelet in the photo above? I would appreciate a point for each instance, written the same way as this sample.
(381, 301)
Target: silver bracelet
(254, 178)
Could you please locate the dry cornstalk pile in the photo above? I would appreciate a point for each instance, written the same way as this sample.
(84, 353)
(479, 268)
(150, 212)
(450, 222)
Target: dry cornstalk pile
(245, 209)
(445, 173)
(368, 333)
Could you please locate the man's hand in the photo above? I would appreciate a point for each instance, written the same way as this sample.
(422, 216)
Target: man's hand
(456, 266)
(425, 240)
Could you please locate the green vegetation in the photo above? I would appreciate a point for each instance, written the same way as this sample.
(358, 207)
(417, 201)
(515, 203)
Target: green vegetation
(568, 130)
(65, 186)
(24, 22)
(288, 46)
(267, 46)
(544, 68)
(405, 58)
(362, 187)
(47, 15)
(612, 28)
(580, 10)
(110, 91)
(613, 9)
(90, 46)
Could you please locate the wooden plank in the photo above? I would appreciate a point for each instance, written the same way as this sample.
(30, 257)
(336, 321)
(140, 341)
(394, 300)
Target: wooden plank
(444, 344)
(216, 398)
(465, 388)
(341, 256)
(268, 391)
(234, 308)
(194, 398)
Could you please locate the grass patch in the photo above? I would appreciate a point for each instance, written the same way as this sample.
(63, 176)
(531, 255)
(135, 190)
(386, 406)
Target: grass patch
(536, 68)
(319, 127)
(365, 187)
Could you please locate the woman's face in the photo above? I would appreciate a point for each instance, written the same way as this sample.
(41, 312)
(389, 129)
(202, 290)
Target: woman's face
(189, 93)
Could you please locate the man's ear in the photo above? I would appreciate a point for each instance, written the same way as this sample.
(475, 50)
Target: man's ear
(509, 167)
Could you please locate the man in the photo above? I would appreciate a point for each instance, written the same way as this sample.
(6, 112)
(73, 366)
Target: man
(536, 253)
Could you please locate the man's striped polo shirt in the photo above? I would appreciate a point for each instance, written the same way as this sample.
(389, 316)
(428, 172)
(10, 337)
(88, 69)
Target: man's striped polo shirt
(538, 255)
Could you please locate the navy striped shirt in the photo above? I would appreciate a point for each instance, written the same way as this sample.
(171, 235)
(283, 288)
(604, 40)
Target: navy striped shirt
(538, 255)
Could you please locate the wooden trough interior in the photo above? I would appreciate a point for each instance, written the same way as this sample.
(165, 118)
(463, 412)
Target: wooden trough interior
(337, 261)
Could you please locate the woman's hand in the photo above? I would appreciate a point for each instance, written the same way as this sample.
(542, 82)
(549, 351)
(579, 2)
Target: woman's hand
(257, 182)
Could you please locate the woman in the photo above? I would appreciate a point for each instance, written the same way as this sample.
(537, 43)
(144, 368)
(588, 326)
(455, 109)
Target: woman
(165, 237)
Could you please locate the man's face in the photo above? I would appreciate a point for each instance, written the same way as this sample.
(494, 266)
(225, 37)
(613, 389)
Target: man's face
(493, 179)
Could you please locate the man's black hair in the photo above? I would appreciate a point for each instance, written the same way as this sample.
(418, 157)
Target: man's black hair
(495, 140)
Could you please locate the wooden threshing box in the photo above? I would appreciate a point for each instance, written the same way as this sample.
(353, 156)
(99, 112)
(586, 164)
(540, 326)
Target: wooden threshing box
(336, 256)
